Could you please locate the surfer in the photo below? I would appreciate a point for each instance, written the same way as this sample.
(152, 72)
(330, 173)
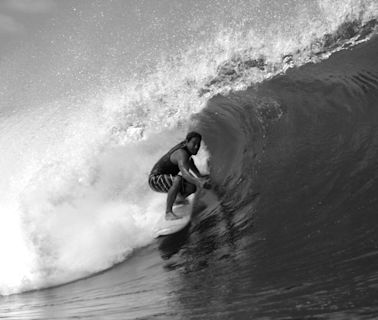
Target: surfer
(176, 174)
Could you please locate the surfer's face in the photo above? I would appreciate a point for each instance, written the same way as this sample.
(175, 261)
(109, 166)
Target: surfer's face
(193, 145)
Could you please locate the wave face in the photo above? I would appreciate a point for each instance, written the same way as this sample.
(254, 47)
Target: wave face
(73, 192)
(295, 161)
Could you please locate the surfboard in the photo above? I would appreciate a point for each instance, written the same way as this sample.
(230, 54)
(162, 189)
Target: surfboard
(167, 227)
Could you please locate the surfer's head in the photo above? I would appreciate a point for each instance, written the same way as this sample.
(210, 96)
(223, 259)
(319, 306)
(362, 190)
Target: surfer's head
(193, 142)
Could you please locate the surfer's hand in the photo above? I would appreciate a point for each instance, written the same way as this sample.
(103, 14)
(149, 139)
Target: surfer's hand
(205, 183)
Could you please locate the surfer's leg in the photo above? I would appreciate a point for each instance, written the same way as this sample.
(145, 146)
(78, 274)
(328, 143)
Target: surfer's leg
(187, 188)
(172, 194)
(180, 199)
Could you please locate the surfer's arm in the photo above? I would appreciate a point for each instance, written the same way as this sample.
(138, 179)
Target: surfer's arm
(184, 166)
(195, 170)
(184, 169)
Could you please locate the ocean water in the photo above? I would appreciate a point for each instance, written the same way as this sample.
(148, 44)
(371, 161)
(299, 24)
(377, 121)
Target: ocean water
(289, 230)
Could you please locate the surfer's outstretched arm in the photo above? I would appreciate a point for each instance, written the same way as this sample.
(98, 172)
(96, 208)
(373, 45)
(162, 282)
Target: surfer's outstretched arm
(195, 170)
(206, 184)
(184, 165)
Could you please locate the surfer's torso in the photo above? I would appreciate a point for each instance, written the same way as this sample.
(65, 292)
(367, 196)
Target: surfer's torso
(166, 165)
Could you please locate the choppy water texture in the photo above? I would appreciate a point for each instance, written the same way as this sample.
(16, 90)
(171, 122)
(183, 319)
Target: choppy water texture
(289, 230)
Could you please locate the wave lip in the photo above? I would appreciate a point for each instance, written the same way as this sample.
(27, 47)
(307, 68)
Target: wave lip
(242, 69)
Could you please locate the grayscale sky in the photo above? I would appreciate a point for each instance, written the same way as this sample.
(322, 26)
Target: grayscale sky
(133, 28)
(51, 48)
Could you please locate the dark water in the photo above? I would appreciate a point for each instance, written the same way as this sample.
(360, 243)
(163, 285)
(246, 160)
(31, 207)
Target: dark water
(290, 229)
(307, 156)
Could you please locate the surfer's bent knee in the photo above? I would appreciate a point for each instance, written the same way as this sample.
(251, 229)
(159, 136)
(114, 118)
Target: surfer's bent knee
(177, 179)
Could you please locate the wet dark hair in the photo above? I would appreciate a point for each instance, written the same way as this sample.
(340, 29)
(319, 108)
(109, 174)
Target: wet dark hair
(191, 135)
(182, 144)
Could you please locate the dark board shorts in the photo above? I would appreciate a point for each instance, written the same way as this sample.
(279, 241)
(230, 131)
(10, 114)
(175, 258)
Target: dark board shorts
(162, 182)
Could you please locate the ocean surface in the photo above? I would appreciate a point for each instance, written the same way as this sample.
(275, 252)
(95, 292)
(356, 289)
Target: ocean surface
(289, 229)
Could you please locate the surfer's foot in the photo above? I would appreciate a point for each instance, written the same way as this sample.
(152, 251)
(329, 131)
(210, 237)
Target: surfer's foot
(171, 216)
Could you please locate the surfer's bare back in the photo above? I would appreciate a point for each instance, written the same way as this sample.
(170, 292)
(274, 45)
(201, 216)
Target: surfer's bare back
(176, 174)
